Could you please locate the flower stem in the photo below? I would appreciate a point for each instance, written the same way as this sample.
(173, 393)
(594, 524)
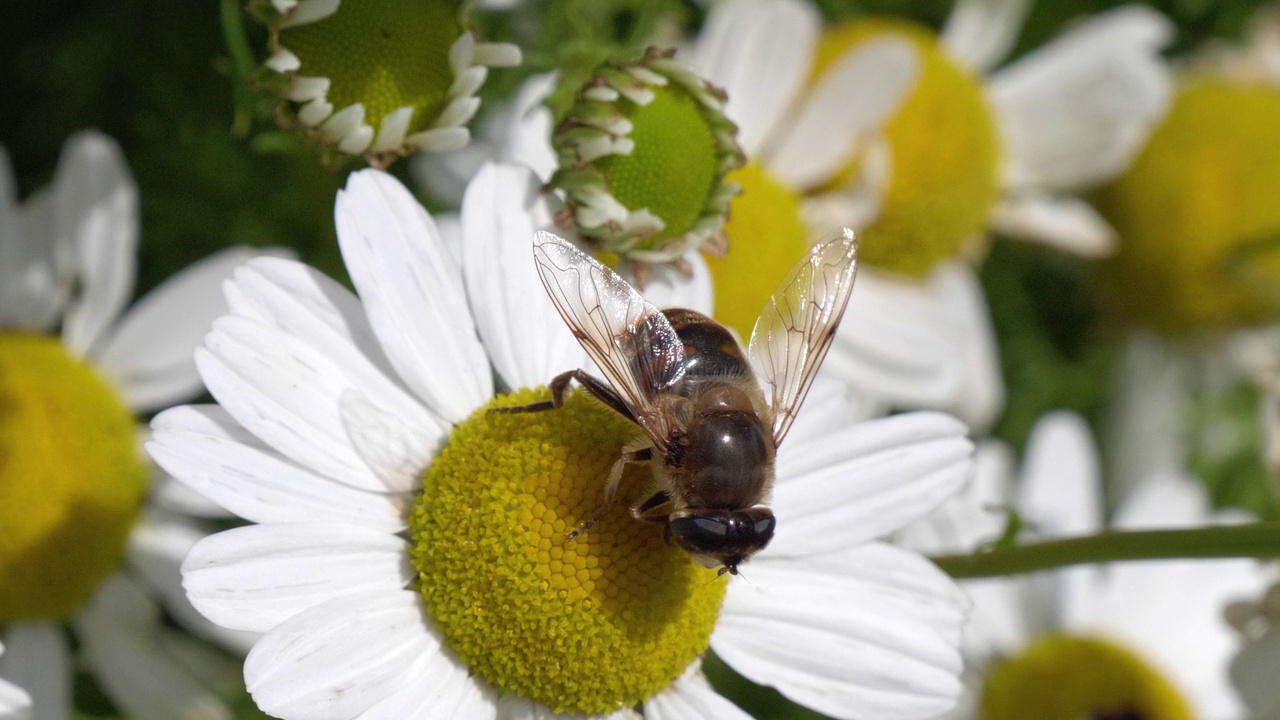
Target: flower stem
(1256, 540)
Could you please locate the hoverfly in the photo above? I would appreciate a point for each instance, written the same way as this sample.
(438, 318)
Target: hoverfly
(710, 430)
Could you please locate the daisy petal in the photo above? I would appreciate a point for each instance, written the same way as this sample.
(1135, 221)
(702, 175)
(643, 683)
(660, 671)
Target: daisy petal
(1075, 111)
(981, 395)
(896, 343)
(894, 657)
(446, 692)
(738, 34)
(326, 316)
(97, 221)
(692, 698)
(1253, 673)
(286, 393)
(157, 547)
(31, 294)
(980, 33)
(122, 637)
(1059, 493)
(36, 659)
(866, 481)
(1059, 221)
(850, 102)
(203, 447)
(149, 353)
(412, 293)
(256, 577)
(15, 703)
(338, 659)
(527, 340)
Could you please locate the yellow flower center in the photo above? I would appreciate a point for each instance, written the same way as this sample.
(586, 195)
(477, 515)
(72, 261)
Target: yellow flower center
(1197, 213)
(674, 167)
(384, 54)
(71, 479)
(588, 626)
(766, 236)
(945, 152)
(1073, 678)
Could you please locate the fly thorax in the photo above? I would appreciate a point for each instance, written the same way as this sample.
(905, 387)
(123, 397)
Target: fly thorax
(727, 458)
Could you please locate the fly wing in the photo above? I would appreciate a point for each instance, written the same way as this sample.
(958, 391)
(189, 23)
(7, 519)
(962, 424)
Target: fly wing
(799, 322)
(631, 340)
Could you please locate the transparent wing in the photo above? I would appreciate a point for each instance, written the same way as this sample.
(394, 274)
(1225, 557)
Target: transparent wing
(630, 339)
(797, 325)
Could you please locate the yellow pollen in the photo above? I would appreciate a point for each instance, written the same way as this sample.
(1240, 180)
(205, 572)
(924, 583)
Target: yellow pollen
(71, 479)
(1197, 214)
(588, 626)
(1061, 677)
(766, 236)
(945, 151)
(386, 54)
(673, 170)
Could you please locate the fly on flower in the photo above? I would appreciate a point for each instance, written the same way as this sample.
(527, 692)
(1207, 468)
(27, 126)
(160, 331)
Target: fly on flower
(711, 430)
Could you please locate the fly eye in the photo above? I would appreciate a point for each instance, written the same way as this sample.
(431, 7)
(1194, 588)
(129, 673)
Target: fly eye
(763, 528)
(706, 535)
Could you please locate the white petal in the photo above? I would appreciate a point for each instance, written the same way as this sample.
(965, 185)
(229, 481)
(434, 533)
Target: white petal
(309, 11)
(980, 33)
(976, 515)
(204, 448)
(1075, 111)
(343, 657)
(897, 343)
(326, 316)
(1146, 419)
(1060, 488)
(149, 353)
(31, 292)
(96, 218)
(870, 633)
(981, 396)
(1059, 221)
(851, 101)
(758, 52)
(121, 636)
(392, 131)
(439, 690)
(15, 703)
(36, 659)
(256, 577)
(157, 547)
(525, 337)
(412, 293)
(866, 481)
(692, 698)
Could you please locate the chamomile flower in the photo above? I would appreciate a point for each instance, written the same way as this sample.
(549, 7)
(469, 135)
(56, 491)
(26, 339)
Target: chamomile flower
(409, 553)
(884, 126)
(76, 367)
(1142, 639)
(380, 78)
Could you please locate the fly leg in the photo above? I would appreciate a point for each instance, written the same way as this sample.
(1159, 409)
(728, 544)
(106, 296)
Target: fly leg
(638, 450)
(648, 509)
(559, 387)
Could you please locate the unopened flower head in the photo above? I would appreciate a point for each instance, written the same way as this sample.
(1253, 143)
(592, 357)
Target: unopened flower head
(643, 155)
(411, 551)
(383, 77)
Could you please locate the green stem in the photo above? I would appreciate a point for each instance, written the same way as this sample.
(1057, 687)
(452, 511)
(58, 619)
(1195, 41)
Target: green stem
(242, 64)
(1257, 540)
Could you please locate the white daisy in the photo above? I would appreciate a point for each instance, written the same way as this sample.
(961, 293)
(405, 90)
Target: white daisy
(1147, 638)
(76, 366)
(384, 596)
(897, 135)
